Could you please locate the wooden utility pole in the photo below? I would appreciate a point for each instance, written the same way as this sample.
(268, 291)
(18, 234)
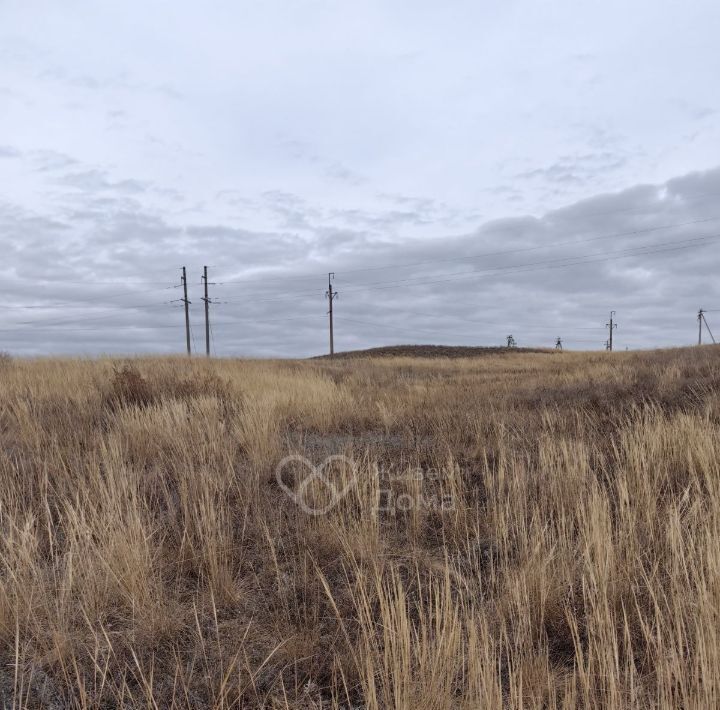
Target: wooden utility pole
(331, 296)
(612, 326)
(187, 310)
(207, 313)
(700, 322)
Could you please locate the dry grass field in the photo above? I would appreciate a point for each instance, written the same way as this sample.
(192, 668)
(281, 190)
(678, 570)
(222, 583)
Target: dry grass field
(519, 530)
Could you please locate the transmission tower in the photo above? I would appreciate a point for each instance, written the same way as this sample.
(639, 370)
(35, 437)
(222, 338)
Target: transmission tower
(558, 343)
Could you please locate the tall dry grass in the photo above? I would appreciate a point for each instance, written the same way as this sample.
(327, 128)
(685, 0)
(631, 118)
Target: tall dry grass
(150, 558)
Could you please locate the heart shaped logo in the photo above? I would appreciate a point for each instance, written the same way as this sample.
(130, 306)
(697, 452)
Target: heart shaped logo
(301, 495)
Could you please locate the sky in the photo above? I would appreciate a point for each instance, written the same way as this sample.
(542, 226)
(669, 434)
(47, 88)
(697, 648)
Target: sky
(467, 170)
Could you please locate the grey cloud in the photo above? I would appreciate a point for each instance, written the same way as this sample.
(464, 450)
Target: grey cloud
(695, 111)
(235, 198)
(293, 210)
(382, 220)
(97, 180)
(9, 93)
(167, 90)
(341, 173)
(576, 169)
(295, 213)
(694, 186)
(120, 80)
(534, 277)
(48, 160)
(333, 169)
(430, 210)
(702, 112)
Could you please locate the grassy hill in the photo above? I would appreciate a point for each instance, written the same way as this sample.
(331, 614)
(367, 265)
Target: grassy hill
(525, 531)
(433, 351)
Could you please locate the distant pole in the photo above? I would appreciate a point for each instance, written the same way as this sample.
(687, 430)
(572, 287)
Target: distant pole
(510, 341)
(331, 296)
(207, 313)
(700, 322)
(558, 343)
(187, 311)
(612, 326)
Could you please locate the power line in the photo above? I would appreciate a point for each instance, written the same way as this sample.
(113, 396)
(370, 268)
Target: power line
(94, 283)
(54, 326)
(314, 316)
(74, 303)
(55, 321)
(480, 254)
(519, 250)
(488, 323)
(552, 264)
(96, 329)
(579, 260)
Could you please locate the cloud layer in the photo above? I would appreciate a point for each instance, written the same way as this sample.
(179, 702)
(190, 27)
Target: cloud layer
(467, 173)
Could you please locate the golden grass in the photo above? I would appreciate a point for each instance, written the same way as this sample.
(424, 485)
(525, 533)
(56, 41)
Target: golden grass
(149, 557)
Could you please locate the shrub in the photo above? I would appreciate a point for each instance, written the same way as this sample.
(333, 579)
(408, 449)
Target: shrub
(129, 387)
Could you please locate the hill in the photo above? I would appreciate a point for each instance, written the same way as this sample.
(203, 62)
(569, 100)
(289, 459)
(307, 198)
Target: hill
(435, 351)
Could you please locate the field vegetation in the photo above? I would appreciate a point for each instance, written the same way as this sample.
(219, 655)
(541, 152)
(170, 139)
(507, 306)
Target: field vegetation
(523, 530)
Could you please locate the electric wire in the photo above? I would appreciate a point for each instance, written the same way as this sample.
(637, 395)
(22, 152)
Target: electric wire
(480, 255)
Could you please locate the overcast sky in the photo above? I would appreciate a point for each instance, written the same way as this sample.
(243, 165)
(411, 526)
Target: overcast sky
(467, 169)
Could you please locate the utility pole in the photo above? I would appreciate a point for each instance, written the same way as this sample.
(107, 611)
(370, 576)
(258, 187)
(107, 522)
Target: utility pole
(331, 296)
(612, 326)
(700, 322)
(702, 319)
(510, 341)
(558, 343)
(207, 312)
(187, 311)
